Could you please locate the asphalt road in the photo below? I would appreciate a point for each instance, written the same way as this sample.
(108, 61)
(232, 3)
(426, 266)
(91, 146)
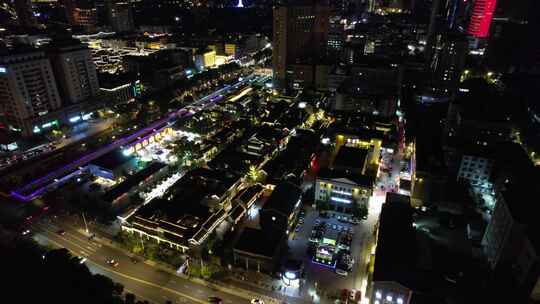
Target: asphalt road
(145, 281)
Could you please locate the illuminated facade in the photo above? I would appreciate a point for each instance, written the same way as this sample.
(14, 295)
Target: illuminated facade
(27, 89)
(481, 18)
(342, 190)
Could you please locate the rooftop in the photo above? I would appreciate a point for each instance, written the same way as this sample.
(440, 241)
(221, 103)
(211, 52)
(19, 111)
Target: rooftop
(132, 181)
(257, 242)
(112, 160)
(359, 179)
(395, 254)
(349, 157)
(283, 199)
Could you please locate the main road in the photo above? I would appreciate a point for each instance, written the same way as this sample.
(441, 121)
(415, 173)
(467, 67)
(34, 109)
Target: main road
(146, 281)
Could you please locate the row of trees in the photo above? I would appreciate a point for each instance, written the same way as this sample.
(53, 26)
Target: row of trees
(53, 276)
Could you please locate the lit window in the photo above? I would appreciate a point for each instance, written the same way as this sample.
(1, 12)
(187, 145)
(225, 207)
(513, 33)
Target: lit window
(389, 298)
(378, 295)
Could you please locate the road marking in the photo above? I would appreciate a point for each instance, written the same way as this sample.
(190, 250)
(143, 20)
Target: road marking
(69, 241)
(148, 283)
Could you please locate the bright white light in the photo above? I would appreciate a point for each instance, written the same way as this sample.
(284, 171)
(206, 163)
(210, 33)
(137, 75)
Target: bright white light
(325, 141)
(273, 218)
(378, 295)
(126, 152)
(376, 302)
(400, 301)
(240, 79)
(389, 298)
(341, 200)
(290, 275)
(74, 119)
(302, 105)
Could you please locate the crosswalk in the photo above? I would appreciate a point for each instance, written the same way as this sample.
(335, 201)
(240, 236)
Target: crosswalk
(73, 240)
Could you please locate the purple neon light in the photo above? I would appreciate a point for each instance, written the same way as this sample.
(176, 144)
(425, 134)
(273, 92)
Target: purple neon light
(18, 193)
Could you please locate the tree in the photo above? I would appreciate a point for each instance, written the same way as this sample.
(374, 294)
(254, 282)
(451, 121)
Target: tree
(359, 210)
(255, 175)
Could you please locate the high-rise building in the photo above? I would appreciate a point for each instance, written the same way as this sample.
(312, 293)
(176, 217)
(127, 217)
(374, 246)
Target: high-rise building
(74, 69)
(300, 37)
(482, 15)
(447, 62)
(510, 46)
(336, 37)
(25, 15)
(80, 13)
(119, 16)
(27, 89)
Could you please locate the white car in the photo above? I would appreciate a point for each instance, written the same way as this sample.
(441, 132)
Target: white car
(257, 301)
(341, 272)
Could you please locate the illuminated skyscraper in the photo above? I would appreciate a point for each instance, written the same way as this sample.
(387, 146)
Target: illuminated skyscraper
(481, 17)
(28, 91)
(300, 37)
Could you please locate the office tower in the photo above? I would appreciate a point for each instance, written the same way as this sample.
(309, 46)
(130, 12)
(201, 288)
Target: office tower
(27, 89)
(25, 15)
(336, 37)
(300, 37)
(448, 61)
(69, 9)
(74, 69)
(457, 14)
(482, 15)
(119, 16)
(80, 13)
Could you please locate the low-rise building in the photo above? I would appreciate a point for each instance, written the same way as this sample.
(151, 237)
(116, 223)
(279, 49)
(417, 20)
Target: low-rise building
(280, 210)
(113, 165)
(121, 193)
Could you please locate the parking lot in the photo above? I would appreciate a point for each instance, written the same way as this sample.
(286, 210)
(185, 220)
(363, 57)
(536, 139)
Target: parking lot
(321, 277)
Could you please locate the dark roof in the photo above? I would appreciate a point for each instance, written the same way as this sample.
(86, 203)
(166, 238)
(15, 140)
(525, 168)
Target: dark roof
(395, 254)
(349, 157)
(359, 179)
(112, 160)
(257, 242)
(111, 81)
(132, 181)
(250, 192)
(283, 199)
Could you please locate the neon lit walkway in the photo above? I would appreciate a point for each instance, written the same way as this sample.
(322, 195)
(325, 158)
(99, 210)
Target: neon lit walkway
(36, 187)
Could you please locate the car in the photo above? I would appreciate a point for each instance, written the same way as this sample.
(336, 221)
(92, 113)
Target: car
(112, 262)
(26, 232)
(341, 272)
(61, 232)
(215, 300)
(257, 301)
